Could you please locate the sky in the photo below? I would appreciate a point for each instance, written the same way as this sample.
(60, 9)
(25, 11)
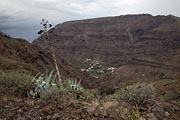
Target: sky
(21, 18)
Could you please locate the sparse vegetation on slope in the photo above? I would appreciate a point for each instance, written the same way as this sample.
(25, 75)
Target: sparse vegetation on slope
(144, 85)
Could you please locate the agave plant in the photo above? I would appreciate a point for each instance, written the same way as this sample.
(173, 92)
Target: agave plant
(43, 83)
(72, 85)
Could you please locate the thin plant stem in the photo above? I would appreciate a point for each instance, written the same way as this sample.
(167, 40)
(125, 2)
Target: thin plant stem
(56, 66)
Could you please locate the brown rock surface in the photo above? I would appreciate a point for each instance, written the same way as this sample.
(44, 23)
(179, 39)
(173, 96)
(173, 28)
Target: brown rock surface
(130, 39)
(20, 54)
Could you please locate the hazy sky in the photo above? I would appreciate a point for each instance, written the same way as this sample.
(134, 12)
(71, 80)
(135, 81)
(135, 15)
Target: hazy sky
(21, 18)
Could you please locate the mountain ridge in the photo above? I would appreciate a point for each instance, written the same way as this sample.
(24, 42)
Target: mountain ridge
(126, 36)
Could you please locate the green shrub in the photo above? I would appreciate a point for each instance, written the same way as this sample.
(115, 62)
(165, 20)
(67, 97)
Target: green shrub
(88, 95)
(78, 91)
(15, 83)
(133, 115)
(137, 94)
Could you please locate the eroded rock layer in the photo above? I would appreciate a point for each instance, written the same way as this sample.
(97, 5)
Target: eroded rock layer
(129, 39)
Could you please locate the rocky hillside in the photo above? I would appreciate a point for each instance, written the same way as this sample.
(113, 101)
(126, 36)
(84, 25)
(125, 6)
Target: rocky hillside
(143, 50)
(123, 40)
(20, 54)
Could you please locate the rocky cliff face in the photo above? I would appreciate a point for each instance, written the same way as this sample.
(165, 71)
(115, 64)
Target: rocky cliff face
(130, 39)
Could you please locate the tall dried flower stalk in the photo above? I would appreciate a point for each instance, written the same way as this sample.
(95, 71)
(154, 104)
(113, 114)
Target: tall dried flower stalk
(56, 66)
(46, 26)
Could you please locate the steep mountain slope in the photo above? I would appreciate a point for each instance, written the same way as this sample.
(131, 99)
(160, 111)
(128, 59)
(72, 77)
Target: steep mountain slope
(19, 54)
(123, 40)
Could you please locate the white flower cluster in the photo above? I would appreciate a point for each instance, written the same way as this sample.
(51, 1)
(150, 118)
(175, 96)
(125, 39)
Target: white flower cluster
(95, 68)
(93, 65)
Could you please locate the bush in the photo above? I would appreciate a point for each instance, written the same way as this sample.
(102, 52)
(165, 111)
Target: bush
(15, 83)
(87, 95)
(138, 94)
(133, 115)
(72, 85)
(79, 92)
